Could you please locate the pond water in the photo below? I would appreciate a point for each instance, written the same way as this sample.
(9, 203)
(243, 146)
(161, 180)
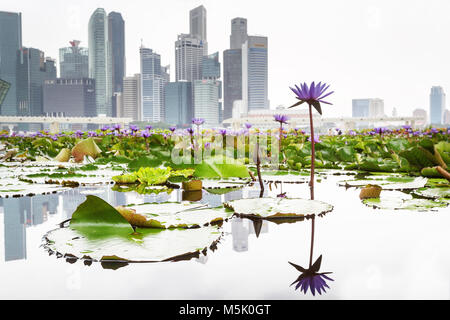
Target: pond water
(372, 253)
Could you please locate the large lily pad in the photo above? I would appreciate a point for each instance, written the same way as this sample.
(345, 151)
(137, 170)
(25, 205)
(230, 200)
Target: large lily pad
(434, 193)
(273, 208)
(171, 215)
(388, 183)
(145, 245)
(398, 201)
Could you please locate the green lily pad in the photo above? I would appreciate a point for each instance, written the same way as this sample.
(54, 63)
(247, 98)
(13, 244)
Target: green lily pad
(388, 183)
(275, 208)
(434, 193)
(398, 203)
(171, 215)
(144, 245)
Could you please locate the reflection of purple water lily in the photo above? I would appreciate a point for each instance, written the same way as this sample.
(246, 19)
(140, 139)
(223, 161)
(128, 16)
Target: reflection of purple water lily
(311, 278)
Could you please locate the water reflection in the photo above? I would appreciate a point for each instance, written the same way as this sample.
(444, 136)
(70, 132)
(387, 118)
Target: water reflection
(310, 278)
(241, 228)
(20, 213)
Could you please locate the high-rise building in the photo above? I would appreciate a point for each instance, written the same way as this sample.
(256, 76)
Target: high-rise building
(32, 70)
(73, 61)
(70, 97)
(10, 43)
(152, 85)
(367, 108)
(178, 103)
(189, 53)
(255, 73)
(197, 26)
(206, 101)
(238, 33)
(116, 35)
(131, 98)
(232, 79)
(100, 61)
(437, 105)
(211, 71)
(446, 120)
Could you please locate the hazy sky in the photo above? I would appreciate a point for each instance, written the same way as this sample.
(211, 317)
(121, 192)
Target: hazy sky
(394, 50)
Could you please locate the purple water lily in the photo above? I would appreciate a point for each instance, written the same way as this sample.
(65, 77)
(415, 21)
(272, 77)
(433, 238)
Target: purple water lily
(198, 121)
(105, 128)
(316, 139)
(133, 128)
(146, 134)
(313, 95)
(281, 118)
(311, 278)
(173, 129)
(190, 131)
(248, 125)
(116, 126)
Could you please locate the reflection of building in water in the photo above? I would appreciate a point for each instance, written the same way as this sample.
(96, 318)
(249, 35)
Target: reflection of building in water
(233, 195)
(264, 227)
(20, 213)
(241, 228)
(254, 193)
(240, 235)
(202, 259)
(71, 200)
(213, 200)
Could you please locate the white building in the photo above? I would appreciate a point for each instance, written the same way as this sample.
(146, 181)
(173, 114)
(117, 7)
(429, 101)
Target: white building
(206, 101)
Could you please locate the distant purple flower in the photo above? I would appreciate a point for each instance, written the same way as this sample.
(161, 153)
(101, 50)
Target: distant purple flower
(190, 131)
(105, 128)
(311, 278)
(173, 129)
(281, 195)
(79, 133)
(406, 127)
(116, 126)
(207, 145)
(248, 125)
(434, 130)
(281, 118)
(313, 95)
(149, 127)
(134, 128)
(352, 133)
(92, 134)
(380, 130)
(223, 132)
(146, 134)
(316, 138)
(198, 121)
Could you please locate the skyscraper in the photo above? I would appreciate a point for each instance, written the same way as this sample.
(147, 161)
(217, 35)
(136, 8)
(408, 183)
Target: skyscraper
(100, 61)
(437, 105)
(131, 97)
(70, 97)
(32, 70)
(178, 103)
(152, 86)
(367, 108)
(10, 43)
(74, 61)
(206, 101)
(238, 33)
(189, 53)
(116, 35)
(197, 26)
(210, 71)
(4, 88)
(255, 73)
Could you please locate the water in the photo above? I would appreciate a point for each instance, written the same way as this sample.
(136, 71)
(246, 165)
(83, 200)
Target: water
(373, 254)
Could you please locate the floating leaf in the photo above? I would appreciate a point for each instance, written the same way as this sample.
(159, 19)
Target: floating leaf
(388, 183)
(404, 204)
(86, 147)
(434, 193)
(270, 208)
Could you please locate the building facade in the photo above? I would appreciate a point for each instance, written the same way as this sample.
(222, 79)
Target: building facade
(73, 61)
(152, 85)
(367, 108)
(4, 88)
(188, 58)
(197, 26)
(131, 98)
(33, 68)
(238, 33)
(437, 105)
(178, 103)
(70, 97)
(10, 43)
(116, 35)
(255, 73)
(232, 79)
(206, 101)
(100, 61)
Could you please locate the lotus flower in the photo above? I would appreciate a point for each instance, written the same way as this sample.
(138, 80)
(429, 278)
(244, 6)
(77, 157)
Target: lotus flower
(281, 118)
(311, 278)
(198, 121)
(313, 95)
(248, 125)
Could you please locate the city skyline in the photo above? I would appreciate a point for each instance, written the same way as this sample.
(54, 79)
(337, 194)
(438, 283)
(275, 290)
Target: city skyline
(368, 51)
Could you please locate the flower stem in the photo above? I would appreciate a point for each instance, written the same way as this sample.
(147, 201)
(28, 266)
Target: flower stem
(312, 242)
(313, 154)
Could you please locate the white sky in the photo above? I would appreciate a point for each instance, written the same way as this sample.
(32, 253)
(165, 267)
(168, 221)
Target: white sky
(394, 50)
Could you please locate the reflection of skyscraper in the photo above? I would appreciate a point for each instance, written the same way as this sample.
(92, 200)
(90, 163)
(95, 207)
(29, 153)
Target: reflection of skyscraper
(233, 195)
(240, 235)
(14, 229)
(437, 105)
(264, 227)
